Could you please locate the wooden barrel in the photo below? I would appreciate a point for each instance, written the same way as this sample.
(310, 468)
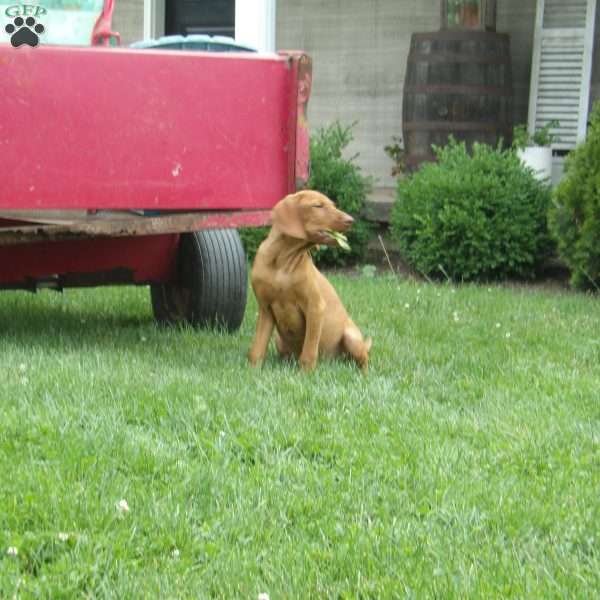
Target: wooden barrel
(457, 83)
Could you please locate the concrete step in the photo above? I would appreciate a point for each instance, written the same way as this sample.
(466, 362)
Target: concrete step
(379, 204)
(378, 208)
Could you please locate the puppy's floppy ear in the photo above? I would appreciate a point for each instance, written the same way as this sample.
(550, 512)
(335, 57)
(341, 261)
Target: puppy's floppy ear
(287, 217)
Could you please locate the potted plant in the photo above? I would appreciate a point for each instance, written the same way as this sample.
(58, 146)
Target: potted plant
(535, 151)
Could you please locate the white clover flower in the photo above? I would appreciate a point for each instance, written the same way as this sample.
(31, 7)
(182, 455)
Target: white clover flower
(62, 536)
(497, 325)
(407, 305)
(175, 553)
(12, 551)
(507, 334)
(455, 316)
(263, 596)
(122, 506)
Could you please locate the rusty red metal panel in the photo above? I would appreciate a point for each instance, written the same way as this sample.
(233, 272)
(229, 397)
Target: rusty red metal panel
(124, 225)
(299, 157)
(91, 262)
(302, 133)
(120, 128)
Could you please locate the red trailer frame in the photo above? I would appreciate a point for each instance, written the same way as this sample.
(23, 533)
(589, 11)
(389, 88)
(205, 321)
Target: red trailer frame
(92, 140)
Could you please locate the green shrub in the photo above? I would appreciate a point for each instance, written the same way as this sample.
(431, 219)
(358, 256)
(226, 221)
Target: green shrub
(574, 215)
(472, 217)
(341, 180)
(252, 238)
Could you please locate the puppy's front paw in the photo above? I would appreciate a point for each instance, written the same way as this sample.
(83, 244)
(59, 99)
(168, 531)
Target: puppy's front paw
(307, 363)
(254, 359)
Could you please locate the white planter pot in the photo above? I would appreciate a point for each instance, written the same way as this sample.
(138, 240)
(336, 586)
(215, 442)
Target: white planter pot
(538, 158)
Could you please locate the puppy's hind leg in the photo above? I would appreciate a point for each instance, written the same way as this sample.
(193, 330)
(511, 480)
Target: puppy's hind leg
(356, 346)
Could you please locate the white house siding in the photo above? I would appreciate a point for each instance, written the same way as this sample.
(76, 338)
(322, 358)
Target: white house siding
(517, 17)
(128, 20)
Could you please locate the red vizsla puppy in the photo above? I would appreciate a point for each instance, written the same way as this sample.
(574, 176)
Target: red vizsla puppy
(293, 296)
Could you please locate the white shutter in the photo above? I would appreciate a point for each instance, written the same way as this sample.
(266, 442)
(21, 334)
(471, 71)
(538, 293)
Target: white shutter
(561, 68)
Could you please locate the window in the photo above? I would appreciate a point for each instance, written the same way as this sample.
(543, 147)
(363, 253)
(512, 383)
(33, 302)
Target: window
(212, 17)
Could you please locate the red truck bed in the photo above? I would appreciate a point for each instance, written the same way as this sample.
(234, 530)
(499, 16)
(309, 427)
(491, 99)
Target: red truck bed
(119, 128)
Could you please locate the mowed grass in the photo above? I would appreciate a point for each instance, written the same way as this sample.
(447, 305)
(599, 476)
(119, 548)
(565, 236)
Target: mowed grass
(465, 465)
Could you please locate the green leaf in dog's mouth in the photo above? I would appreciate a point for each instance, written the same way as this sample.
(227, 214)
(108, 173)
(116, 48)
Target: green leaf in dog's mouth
(340, 238)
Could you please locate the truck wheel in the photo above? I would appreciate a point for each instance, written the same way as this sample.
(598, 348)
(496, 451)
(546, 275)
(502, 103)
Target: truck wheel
(212, 282)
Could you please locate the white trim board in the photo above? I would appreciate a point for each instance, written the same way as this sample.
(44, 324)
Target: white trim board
(255, 24)
(154, 18)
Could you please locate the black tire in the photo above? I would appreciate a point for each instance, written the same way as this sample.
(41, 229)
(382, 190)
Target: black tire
(212, 282)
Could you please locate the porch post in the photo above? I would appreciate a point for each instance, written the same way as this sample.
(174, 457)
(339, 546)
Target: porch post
(255, 24)
(154, 18)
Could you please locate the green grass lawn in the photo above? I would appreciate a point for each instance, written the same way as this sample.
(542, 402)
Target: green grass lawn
(465, 465)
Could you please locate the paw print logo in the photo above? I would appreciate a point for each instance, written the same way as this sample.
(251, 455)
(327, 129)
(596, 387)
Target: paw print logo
(24, 31)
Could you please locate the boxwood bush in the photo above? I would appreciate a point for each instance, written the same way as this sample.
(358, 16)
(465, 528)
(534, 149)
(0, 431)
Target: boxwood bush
(575, 210)
(472, 217)
(252, 238)
(342, 180)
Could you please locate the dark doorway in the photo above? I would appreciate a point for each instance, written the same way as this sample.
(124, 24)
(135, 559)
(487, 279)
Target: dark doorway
(213, 17)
